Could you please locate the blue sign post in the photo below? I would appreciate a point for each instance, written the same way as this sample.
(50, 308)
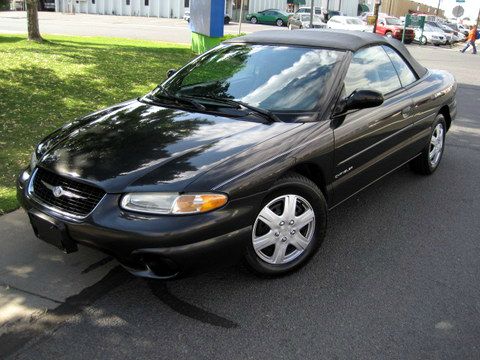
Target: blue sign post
(206, 23)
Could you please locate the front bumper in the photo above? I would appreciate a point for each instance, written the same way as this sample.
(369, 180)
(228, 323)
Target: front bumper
(155, 245)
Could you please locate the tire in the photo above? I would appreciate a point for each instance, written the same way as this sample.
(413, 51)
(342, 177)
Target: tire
(424, 164)
(423, 40)
(278, 249)
(388, 34)
(279, 22)
(254, 20)
(226, 20)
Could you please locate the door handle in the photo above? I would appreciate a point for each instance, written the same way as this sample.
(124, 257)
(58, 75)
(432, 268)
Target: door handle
(406, 111)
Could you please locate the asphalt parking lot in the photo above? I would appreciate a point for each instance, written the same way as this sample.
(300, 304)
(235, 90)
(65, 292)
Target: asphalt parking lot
(397, 277)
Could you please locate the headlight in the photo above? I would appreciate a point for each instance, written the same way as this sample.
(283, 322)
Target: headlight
(33, 160)
(172, 203)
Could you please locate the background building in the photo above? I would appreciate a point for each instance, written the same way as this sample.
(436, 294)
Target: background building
(403, 7)
(176, 8)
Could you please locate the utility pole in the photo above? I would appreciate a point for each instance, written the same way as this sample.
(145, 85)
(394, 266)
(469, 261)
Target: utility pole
(312, 11)
(438, 7)
(478, 19)
(241, 18)
(375, 14)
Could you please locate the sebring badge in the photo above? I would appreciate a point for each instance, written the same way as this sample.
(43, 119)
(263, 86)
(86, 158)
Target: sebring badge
(58, 191)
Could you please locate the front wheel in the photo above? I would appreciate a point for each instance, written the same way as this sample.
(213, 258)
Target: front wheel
(289, 227)
(279, 22)
(428, 161)
(423, 40)
(254, 20)
(388, 34)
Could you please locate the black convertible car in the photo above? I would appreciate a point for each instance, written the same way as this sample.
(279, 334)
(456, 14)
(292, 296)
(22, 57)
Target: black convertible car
(240, 153)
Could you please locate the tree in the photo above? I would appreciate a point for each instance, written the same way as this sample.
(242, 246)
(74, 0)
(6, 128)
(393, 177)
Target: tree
(32, 21)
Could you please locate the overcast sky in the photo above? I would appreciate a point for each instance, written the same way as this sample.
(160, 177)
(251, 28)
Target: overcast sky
(471, 6)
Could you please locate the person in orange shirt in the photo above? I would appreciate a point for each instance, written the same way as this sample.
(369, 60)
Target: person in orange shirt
(472, 37)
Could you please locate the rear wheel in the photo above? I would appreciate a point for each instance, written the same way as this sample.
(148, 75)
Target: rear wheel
(427, 162)
(279, 22)
(254, 20)
(289, 227)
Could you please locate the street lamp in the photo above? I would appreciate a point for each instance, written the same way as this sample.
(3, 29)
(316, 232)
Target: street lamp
(375, 14)
(311, 14)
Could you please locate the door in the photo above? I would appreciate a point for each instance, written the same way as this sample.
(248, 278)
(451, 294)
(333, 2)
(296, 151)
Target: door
(269, 17)
(381, 23)
(371, 142)
(295, 21)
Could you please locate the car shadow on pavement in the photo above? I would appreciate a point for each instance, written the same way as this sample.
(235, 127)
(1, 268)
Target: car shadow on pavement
(395, 275)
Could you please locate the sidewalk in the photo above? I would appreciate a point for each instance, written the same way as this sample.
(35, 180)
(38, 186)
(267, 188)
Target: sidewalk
(36, 277)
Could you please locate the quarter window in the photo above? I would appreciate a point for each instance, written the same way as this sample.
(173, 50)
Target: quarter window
(405, 74)
(371, 69)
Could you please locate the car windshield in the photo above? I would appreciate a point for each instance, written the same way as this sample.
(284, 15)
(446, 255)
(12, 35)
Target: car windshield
(393, 21)
(354, 21)
(275, 78)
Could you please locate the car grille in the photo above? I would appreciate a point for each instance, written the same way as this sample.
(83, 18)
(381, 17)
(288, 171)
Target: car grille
(77, 198)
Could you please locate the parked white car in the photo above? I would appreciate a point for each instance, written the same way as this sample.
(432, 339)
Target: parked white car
(430, 35)
(348, 23)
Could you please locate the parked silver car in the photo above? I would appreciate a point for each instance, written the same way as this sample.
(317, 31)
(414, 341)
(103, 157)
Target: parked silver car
(302, 21)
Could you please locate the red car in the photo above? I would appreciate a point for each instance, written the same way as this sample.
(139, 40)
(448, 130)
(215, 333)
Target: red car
(393, 27)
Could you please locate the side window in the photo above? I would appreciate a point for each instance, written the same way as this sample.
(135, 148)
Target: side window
(405, 74)
(371, 69)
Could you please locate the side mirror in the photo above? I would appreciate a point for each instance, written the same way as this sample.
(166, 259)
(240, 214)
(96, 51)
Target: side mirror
(171, 72)
(359, 99)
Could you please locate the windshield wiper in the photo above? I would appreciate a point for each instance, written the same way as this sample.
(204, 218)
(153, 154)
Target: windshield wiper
(164, 93)
(266, 114)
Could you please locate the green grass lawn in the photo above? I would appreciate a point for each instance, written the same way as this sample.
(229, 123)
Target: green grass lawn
(43, 86)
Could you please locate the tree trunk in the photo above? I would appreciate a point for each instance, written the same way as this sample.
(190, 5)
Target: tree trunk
(32, 20)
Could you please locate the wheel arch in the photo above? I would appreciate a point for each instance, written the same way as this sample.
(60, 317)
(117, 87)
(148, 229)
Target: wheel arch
(314, 173)
(445, 111)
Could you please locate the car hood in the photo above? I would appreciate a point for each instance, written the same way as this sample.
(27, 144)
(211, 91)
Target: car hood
(358, 27)
(400, 28)
(136, 146)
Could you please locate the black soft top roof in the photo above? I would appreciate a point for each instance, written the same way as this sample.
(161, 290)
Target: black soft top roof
(333, 39)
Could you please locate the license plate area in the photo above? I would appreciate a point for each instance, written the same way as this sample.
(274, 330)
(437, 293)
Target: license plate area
(52, 231)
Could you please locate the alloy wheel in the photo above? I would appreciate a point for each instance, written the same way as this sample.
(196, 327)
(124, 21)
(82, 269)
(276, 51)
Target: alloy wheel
(279, 22)
(436, 145)
(283, 229)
